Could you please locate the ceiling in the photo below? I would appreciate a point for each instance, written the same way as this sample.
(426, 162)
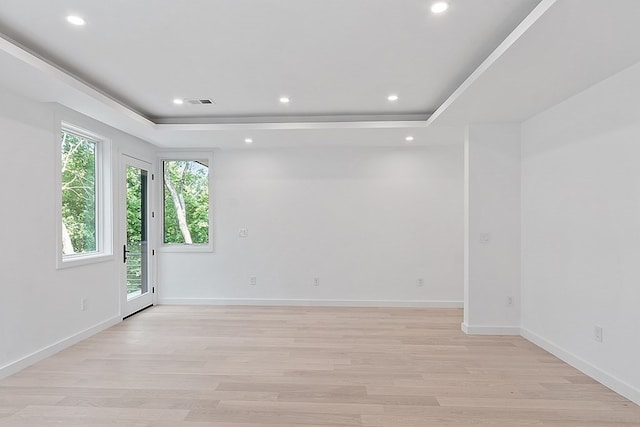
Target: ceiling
(331, 57)
(570, 47)
(337, 60)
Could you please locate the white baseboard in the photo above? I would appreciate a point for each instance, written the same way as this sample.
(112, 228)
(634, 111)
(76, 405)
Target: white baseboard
(315, 302)
(614, 383)
(490, 330)
(52, 349)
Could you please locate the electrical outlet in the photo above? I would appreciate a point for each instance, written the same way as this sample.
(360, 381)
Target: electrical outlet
(243, 232)
(420, 282)
(83, 304)
(253, 280)
(316, 281)
(509, 301)
(597, 333)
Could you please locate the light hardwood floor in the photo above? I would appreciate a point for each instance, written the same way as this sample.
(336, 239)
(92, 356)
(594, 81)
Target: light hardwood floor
(292, 366)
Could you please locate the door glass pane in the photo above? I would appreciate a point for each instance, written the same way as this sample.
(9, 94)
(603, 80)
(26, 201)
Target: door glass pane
(136, 232)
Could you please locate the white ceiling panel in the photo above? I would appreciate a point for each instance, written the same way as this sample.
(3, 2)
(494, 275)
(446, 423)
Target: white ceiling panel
(331, 57)
(572, 46)
(338, 60)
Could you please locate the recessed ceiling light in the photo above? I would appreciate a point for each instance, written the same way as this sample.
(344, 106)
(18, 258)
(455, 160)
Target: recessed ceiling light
(439, 7)
(284, 99)
(409, 138)
(248, 140)
(392, 98)
(178, 101)
(76, 20)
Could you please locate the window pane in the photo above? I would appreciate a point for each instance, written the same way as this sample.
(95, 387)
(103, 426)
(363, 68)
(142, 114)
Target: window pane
(186, 201)
(79, 219)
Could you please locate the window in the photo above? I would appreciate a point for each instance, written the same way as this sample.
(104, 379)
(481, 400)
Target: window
(82, 200)
(186, 202)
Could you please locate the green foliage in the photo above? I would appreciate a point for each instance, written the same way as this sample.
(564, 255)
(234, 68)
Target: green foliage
(136, 234)
(189, 200)
(190, 179)
(79, 191)
(135, 205)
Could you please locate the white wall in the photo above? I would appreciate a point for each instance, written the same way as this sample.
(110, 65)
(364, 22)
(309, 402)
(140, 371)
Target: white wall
(367, 221)
(581, 230)
(39, 305)
(492, 228)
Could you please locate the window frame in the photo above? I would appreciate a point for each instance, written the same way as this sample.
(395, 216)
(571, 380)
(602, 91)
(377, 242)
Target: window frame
(185, 156)
(103, 199)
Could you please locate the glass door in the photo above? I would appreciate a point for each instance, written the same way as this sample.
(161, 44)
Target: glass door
(137, 292)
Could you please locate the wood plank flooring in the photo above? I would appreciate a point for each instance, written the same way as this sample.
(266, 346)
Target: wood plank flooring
(295, 366)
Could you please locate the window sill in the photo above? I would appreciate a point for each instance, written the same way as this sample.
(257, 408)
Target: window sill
(177, 248)
(77, 261)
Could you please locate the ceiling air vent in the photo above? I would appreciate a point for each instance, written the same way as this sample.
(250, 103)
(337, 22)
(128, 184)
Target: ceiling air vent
(200, 101)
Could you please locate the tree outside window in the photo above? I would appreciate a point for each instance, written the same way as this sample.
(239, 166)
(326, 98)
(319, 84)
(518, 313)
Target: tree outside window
(79, 194)
(186, 202)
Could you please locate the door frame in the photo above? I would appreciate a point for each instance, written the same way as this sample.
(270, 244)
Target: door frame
(127, 308)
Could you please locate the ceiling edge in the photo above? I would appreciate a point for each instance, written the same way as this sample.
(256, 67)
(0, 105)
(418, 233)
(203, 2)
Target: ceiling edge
(498, 52)
(51, 69)
(364, 124)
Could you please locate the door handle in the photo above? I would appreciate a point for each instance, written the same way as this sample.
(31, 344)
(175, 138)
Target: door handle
(124, 253)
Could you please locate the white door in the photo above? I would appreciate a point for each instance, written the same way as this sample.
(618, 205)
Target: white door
(137, 291)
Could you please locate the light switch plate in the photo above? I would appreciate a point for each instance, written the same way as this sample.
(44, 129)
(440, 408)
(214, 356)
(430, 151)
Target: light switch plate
(485, 238)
